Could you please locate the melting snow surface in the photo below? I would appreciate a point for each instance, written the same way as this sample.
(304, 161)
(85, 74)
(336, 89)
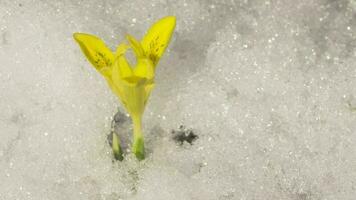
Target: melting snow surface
(269, 88)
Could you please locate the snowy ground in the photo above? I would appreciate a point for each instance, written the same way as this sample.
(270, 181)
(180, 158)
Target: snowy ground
(268, 86)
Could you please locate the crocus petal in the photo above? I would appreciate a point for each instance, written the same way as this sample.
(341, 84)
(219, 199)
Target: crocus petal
(116, 82)
(157, 38)
(144, 69)
(121, 50)
(123, 68)
(95, 50)
(148, 88)
(136, 46)
(135, 96)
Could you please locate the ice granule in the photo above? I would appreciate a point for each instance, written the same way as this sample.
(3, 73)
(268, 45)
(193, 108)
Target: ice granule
(268, 86)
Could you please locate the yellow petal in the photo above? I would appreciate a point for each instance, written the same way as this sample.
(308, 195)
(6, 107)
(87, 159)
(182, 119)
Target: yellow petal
(134, 97)
(121, 50)
(144, 69)
(136, 46)
(113, 87)
(148, 88)
(157, 38)
(115, 82)
(96, 51)
(121, 69)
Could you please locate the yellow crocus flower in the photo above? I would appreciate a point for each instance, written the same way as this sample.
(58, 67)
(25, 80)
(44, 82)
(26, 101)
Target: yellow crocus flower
(132, 84)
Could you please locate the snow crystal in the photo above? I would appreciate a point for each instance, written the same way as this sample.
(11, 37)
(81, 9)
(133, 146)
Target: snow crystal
(268, 87)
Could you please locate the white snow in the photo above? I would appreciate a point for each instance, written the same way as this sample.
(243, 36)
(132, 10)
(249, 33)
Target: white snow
(268, 86)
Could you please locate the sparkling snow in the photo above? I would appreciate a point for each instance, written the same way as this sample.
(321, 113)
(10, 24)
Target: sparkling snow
(269, 87)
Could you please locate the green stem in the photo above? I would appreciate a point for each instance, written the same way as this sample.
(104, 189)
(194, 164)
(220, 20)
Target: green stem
(116, 147)
(138, 143)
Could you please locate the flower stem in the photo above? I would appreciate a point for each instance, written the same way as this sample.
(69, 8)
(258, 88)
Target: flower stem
(138, 143)
(116, 147)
